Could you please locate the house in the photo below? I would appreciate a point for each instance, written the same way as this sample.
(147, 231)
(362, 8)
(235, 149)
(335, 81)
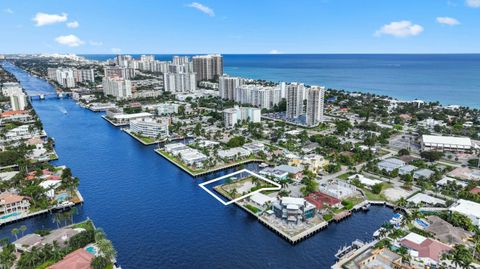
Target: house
(424, 249)
(406, 170)
(320, 199)
(260, 199)
(293, 210)
(274, 173)
(295, 172)
(79, 259)
(314, 162)
(254, 147)
(465, 173)
(50, 186)
(390, 164)
(233, 153)
(11, 203)
(421, 198)
(376, 258)
(6, 176)
(364, 180)
(469, 209)
(423, 174)
(61, 236)
(446, 232)
(445, 181)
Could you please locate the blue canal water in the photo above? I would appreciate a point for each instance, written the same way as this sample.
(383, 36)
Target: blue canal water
(156, 215)
(448, 78)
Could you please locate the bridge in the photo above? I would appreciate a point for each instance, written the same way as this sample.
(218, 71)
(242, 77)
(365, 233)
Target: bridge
(42, 96)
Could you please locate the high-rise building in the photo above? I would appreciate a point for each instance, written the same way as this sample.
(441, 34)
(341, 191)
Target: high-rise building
(227, 86)
(179, 82)
(119, 72)
(18, 101)
(231, 116)
(147, 58)
(117, 87)
(315, 101)
(179, 60)
(295, 97)
(84, 75)
(65, 77)
(208, 67)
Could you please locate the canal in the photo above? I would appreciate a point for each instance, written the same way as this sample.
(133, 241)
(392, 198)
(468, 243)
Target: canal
(155, 214)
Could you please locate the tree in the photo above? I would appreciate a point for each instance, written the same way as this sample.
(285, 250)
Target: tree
(107, 249)
(99, 262)
(23, 228)
(7, 256)
(342, 126)
(15, 232)
(377, 188)
(461, 256)
(403, 152)
(431, 156)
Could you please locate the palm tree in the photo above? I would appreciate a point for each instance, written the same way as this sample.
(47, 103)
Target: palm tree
(15, 232)
(233, 193)
(23, 228)
(461, 257)
(107, 249)
(99, 234)
(7, 256)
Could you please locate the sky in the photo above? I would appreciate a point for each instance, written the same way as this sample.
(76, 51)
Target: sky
(239, 26)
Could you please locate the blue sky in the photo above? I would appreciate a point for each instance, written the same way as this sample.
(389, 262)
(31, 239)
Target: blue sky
(240, 26)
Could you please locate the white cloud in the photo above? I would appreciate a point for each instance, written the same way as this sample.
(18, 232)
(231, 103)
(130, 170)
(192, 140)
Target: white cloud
(8, 10)
(448, 21)
(400, 29)
(95, 43)
(274, 51)
(473, 3)
(42, 19)
(202, 8)
(116, 50)
(73, 24)
(69, 40)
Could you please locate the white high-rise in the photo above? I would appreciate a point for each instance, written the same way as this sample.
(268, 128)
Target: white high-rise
(295, 97)
(231, 116)
(65, 77)
(117, 87)
(18, 101)
(315, 105)
(179, 82)
(227, 86)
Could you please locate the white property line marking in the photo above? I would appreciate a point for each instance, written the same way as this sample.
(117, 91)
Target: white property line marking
(276, 188)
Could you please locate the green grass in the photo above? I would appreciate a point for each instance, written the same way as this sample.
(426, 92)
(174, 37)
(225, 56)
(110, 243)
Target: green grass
(328, 217)
(253, 209)
(45, 264)
(87, 225)
(344, 176)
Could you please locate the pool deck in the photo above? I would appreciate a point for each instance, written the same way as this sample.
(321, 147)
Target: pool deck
(25, 215)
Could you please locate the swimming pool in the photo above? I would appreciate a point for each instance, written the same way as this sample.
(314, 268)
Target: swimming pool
(62, 197)
(422, 223)
(10, 215)
(91, 249)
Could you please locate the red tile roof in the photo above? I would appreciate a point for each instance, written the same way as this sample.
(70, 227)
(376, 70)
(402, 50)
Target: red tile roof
(475, 190)
(11, 113)
(429, 248)
(319, 199)
(79, 259)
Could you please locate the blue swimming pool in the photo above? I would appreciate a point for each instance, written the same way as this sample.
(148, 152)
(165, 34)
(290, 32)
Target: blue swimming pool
(91, 249)
(10, 215)
(422, 223)
(62, 197)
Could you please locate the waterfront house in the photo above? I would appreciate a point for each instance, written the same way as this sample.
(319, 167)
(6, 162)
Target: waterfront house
(61, 236)
(50, 186)
(425, 199)
(294, 172)
(293, 210)
(260, 199)
(446, 232)
(12, 203)
(390, 164)
(376, 258)
(320, 200)
(79, 259)
(426, 250)
(233, 153)
(274, 173)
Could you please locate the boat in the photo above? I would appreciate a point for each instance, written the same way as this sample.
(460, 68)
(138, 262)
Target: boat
(396, 219)
(346, 250)
(378, 232)
(366, 207)
(263, 165)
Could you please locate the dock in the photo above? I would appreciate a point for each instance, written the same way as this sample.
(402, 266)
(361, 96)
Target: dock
(213, 170)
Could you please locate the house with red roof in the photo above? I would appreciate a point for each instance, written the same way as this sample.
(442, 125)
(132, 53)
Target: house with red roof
(424, 249)
(12, 203)
(79, 259)
(320, 199)
(475, 190)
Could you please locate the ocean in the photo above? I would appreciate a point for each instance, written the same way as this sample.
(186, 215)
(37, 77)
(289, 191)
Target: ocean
(447, 78)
